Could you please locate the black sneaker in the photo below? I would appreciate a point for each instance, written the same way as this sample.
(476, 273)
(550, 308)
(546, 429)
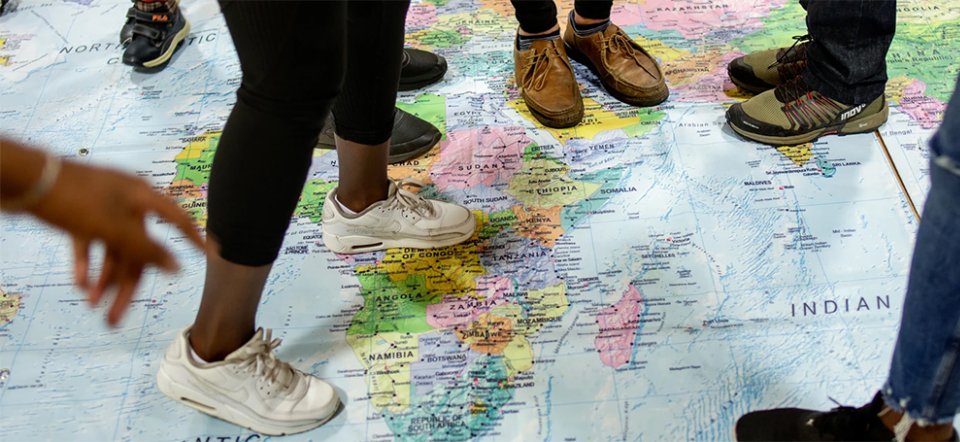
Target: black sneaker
(795, 424)
(126, 31)
(793, 114)
(420, 69)
(156, 36)
(764, 70)
(411, 138)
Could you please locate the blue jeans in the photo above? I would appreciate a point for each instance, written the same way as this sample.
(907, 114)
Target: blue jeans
(924, 381)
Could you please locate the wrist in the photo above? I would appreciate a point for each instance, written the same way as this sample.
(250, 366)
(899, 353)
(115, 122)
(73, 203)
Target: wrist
(28, 195)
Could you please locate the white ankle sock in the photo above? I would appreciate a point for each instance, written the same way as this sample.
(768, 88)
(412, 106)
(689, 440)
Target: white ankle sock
(197, 358)
(344, 208)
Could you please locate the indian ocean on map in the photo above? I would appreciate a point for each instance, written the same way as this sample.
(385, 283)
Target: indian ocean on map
(646, 275)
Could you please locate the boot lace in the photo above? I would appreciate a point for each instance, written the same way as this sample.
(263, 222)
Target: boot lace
(796, 52)
(259, 358)
(535, 72)
(844, 422)
(804, 108)
(620, 43)
(405, 200)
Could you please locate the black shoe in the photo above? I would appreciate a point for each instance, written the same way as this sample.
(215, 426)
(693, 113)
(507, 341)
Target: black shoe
(126, 32)
(411, 138)
(794, 424)
(420, 68)
(156, 36)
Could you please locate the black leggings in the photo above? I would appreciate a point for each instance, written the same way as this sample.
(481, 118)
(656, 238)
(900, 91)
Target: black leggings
(297, 57)
(536, 16)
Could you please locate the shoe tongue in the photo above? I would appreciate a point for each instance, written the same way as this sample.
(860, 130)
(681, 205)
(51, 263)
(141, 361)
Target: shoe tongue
(246, 350)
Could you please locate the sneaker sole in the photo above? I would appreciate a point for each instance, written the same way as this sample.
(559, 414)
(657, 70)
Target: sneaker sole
(658, 96)
(173, 47)
(198, 400)
(859, 126)
(352, 244)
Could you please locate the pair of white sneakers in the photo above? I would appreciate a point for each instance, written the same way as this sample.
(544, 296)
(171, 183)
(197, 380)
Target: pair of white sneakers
(254, 389)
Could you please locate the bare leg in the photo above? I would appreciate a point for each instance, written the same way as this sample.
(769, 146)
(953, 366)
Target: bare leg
(231, 294)
(917, 433)
(555, 28)
(587, 21)
(363, 174)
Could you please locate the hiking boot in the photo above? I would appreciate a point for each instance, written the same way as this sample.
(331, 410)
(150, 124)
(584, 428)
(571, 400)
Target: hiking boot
(768, 69)
(546, 83)
(155, 36)
(404, 219)
(411, 137)
(625, 68)
(793, 114)
(795, 424)
(420, 69)
(250, 387)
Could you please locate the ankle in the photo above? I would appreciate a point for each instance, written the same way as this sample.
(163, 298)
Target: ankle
(358, 200)
(917, 433)
(213, 347)
(555, 28)
(578, 19)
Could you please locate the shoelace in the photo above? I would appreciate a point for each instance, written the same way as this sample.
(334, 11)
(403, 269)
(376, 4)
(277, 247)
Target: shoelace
(805, 114)
(797, 39)
(535, 74)
(620, 43)
(844, 422)
(260, 358)
(405, 200)
(792, 90)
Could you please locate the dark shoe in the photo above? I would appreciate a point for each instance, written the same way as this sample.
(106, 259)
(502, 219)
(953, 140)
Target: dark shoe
(768, 69)
(420, 69)
(625, 68)
(126, 31)
(411, 138)
(793, 114)
(795, 424)
(547, 85)
(156, 36)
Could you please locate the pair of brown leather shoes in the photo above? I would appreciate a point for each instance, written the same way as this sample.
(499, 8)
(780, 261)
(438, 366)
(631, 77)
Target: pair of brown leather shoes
(549, 88)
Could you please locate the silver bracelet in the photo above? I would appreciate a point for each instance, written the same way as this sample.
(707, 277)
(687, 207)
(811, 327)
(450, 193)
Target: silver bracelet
(40, 189)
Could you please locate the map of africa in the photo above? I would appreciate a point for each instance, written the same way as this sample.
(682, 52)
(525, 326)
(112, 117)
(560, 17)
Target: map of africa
(646, 275)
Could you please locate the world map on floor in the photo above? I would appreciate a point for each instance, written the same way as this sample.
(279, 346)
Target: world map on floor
(646, 275)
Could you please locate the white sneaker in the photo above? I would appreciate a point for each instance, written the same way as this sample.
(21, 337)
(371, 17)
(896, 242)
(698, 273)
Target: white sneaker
(404, 219)
(250, 388)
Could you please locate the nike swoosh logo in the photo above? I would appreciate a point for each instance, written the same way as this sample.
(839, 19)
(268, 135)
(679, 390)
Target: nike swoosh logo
(239, 395)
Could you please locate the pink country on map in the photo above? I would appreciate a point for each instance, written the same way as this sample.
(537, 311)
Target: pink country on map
(618, 327)
(927, 111)
(460, 312)
(702, 77)
(694, 19)
(421, 16)
(478, 157)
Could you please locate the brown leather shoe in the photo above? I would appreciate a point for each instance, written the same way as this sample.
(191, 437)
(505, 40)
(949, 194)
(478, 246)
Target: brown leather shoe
(627, 71)
(546, 82)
